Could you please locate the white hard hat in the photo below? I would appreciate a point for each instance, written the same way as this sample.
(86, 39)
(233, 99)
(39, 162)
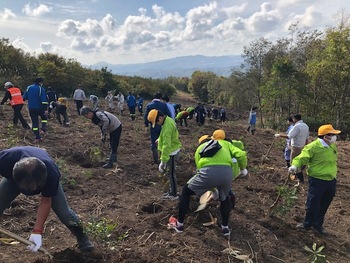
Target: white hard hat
(8, 84)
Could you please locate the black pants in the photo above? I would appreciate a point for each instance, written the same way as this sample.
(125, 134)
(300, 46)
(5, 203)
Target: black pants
(17, 115)
(319, 197)
(79, 104)
(34, 115)
(114, 139)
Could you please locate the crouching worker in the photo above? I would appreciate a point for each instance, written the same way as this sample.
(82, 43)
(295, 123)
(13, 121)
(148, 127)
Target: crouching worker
(60, 109)
(31, 171)
(107, 123)
(214, 170)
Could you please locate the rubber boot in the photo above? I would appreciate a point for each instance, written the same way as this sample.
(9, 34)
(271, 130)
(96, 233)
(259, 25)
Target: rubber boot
(155, 156)
(111, 160)
(84, 244)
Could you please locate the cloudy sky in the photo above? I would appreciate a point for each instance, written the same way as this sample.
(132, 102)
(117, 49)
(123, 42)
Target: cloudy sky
(136, 31)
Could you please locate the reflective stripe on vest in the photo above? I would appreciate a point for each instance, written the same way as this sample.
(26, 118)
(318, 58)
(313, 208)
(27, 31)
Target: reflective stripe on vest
(16, 96)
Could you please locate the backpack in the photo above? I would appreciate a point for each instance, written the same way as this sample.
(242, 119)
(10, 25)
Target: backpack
(210, 149)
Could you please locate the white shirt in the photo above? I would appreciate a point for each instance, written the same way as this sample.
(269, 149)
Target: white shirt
(299, 134)
(120, 98)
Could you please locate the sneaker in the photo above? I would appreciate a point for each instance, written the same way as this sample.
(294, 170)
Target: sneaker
(168, 196)
(226, 231)
(173, 224)
(108, 165)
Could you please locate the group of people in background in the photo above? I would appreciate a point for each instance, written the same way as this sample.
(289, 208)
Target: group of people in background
(218, 160)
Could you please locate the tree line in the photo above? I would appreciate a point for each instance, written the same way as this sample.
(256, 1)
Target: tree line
(307, 72)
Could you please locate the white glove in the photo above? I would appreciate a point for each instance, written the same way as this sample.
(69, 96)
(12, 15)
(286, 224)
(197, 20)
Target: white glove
(243, 172)
(277, 135)
(293, 169)
(36, 239)
(162, 167)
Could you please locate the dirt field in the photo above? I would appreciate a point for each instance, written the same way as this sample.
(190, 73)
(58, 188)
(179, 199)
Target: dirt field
(130, 200)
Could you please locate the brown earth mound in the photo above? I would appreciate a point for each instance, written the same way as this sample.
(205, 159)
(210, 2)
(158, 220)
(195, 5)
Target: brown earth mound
(127, 218)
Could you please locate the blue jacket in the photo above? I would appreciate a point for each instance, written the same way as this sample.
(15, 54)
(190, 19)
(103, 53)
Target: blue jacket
(36, 96)
(131, 101)
(157, 105)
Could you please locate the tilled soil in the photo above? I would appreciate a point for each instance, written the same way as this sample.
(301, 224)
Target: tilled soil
(131, 200)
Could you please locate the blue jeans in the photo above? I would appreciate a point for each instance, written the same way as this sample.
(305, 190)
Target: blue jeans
(9, 191)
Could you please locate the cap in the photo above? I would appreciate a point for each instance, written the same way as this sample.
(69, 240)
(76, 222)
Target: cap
(203, 138)
(8, 84)
(219, 135)
(327, 129)
(152, 116)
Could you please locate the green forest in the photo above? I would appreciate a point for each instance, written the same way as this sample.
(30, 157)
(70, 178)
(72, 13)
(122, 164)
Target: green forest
(307, 72)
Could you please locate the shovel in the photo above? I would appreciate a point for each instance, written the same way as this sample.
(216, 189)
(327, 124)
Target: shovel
(24, 241)
(207, 197)
(268, 151)
(204, 200)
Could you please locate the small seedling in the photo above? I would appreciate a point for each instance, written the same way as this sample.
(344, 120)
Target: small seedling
(103, 230)
(316, 255)
(288, 198)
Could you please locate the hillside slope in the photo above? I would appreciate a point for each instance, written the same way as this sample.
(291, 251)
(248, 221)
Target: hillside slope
(130, 199)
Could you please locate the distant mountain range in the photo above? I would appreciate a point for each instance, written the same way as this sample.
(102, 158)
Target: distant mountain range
(177, 67)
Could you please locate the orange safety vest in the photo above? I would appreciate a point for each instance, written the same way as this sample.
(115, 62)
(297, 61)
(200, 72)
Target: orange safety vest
(16, 96)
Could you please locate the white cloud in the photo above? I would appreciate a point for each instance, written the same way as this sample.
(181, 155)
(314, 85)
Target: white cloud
(234, 10)
(36, 12)
(46, 46)
(7, 14)
(200, 20)
(265, 20)
(19, 43)
(156, 31)
(310, 18)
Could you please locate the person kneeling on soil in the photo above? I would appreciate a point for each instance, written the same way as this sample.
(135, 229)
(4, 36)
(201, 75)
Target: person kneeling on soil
(107, 123)
(31, 171)
(214, 170)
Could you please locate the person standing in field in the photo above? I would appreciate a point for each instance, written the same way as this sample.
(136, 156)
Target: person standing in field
(79, 98)
(157, 104)
(299, 136)
(37, 105)
(120, 102)
(252, 120)
(14, 94)
(320, 157)
(109, 98)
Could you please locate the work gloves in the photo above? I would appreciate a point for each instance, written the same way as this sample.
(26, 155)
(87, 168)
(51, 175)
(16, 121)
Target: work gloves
(277, 135)
(162, 167)
(293, 169)
(243, 172)
(36, 239)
